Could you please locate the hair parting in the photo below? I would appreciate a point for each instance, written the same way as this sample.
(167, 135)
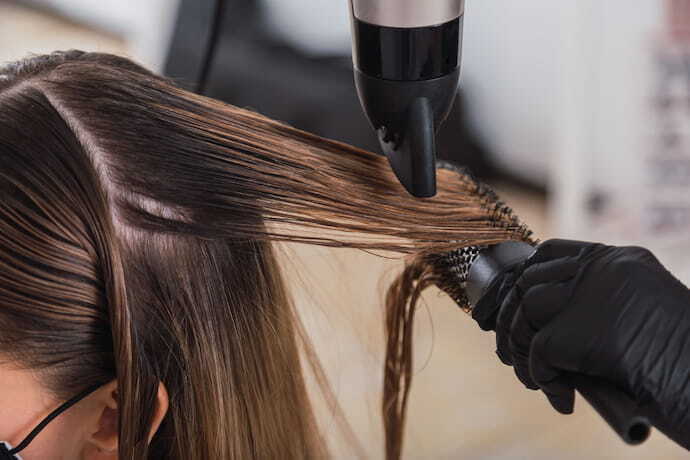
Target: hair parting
(137, 224)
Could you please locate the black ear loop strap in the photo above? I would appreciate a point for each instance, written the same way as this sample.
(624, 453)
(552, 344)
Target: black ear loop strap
(25, 442)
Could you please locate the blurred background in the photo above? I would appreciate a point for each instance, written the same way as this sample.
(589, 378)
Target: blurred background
(577, 111)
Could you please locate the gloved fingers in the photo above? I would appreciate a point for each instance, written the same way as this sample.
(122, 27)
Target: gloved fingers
(486, 310)
(551, 271)
(504, 321)
(560, 394)
(552, 381)
(519, 341)
(641, 254)
(542, 303)
(538, 307)
(556, 249)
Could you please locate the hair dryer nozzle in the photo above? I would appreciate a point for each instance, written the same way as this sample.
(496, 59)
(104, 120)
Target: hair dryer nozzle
(406, 116)
(413, 158)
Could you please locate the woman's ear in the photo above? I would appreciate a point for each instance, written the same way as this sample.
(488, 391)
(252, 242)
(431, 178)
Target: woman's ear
(162, 404)
(105, 436)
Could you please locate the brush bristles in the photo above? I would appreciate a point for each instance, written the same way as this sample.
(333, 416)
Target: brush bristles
(451, 268)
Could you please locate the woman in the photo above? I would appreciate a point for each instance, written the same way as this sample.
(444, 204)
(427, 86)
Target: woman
(137, 276)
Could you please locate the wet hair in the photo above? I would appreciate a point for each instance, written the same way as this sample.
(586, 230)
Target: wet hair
(137, 223)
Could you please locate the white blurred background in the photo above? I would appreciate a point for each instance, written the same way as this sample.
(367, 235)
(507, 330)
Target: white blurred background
(579, 111)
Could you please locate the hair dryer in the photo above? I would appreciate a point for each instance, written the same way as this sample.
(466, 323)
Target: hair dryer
(406, 56)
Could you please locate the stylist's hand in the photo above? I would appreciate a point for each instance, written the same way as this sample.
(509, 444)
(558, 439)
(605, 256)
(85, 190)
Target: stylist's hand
(609, 312)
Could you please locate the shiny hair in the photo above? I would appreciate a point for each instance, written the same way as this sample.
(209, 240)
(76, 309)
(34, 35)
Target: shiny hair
(137, 223)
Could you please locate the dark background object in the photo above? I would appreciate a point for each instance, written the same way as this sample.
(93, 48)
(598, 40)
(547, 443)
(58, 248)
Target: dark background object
(250, 68)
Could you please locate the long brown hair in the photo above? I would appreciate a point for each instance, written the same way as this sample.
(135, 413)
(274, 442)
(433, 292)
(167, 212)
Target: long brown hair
(136, 230)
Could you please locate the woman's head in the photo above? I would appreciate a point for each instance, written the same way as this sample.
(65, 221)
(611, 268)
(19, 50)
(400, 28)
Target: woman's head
(112, 273)
(87, 431)
(136, 229)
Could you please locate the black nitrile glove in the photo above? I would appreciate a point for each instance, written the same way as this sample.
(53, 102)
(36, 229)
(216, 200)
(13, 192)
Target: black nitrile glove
(613, 313)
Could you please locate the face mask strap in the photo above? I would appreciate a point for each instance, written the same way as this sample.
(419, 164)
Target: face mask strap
(6, 453)
(5, 449)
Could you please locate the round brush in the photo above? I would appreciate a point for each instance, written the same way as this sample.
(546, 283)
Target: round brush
(467, 274)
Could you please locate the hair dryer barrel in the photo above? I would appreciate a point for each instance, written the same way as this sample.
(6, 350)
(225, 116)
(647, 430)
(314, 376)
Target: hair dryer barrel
(407, 56)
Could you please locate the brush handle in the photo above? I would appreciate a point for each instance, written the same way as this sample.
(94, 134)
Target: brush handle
(620, 411)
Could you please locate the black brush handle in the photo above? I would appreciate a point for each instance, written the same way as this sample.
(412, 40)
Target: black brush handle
(620, 411)
(617, 408)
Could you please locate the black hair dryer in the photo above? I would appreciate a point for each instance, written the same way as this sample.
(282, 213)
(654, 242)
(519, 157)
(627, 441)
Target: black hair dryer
(407, 56)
